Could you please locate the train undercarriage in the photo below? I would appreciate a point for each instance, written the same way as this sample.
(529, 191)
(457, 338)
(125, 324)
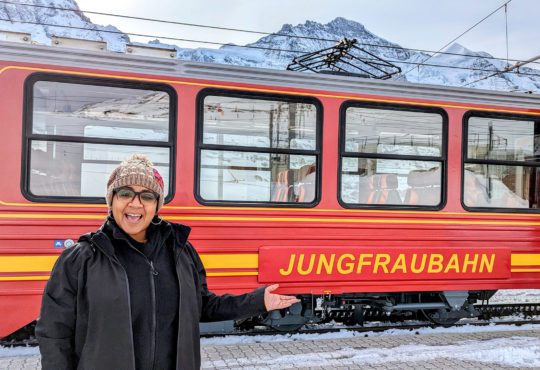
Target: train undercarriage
(443, 308)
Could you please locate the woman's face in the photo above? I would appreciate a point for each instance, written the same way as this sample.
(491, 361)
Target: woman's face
(132, 215)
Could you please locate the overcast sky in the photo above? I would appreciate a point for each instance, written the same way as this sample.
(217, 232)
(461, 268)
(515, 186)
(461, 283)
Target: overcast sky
(420, 24)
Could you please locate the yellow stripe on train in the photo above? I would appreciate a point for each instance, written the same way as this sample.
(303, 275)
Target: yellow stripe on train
(217, 261)
(45, 263)
(525, 259)
(24, 278)
(284, 219)
(28, 264)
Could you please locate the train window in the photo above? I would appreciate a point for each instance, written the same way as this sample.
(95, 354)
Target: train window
(257, 149)
(391, 156)
(69, 109)
(82, 169)
(502, 162)
(78, 129)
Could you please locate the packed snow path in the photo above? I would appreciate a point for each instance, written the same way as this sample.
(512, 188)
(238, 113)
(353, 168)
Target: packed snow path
(495, 347)
(473, 347)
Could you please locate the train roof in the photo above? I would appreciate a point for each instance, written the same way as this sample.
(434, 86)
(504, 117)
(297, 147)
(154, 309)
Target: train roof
(113, 61)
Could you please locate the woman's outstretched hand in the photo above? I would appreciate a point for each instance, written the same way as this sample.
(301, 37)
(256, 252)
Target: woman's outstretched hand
(274, 301)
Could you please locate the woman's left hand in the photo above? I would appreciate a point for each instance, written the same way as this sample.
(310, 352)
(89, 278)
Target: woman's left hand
(274, 301)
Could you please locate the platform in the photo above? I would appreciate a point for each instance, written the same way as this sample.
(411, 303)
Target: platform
(473, 350)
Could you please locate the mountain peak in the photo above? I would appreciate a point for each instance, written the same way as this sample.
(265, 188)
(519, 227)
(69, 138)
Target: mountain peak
(286, 28)
(457, 48)
(344, 22)
(43, 23)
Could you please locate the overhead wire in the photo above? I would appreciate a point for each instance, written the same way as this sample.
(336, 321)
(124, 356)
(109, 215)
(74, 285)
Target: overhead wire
(238, 46)
(258, 32)
(245, 31)
(506, 31)
(146, 35)
(493, 75)
(507, 63)
(165, 21)
(516, 66)
(463, 33)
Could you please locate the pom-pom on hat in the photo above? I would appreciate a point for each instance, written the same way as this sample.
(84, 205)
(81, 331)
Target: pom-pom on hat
(136, 170)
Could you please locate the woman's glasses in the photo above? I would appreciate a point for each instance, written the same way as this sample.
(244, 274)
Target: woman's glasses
(128, 195)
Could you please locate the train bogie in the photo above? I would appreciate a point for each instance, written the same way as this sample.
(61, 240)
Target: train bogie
(443, 308)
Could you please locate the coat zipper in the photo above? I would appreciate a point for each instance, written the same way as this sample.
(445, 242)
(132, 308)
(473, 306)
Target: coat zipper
(153, 274)
(115, 260)
(177, 256)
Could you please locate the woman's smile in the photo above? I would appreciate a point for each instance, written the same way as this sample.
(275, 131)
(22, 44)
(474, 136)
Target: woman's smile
(132, 215)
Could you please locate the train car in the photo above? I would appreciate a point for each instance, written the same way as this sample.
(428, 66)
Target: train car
(352, 194)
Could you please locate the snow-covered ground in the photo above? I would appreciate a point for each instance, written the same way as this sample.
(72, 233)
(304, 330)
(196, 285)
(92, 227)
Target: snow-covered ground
(351, 334)
(516, 296)
(516, 350)
(18, 351)
(521, 352)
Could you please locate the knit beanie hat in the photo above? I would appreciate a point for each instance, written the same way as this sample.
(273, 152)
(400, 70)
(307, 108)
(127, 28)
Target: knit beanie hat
(136, 170)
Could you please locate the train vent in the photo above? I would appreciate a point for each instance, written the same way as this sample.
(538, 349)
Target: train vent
(25, 38)
(72, 43)
(150, 51)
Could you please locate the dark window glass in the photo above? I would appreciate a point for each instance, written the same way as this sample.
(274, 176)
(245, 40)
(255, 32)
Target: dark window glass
(258, 150)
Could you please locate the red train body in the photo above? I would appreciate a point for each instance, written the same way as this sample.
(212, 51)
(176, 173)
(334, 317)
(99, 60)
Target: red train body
(340, 239)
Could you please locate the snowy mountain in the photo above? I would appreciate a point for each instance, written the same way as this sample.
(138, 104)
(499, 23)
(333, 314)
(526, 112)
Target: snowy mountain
(43, 22)
(278, 50)
(310, 36)
(479, 60)
(475, 64)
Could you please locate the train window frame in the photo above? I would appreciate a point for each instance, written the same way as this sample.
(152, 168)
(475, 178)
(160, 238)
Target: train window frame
(28, 136)
(465, 160)
(443, 159)
(200, 146)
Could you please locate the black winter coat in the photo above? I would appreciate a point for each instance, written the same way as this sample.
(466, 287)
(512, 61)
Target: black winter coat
(85, 315)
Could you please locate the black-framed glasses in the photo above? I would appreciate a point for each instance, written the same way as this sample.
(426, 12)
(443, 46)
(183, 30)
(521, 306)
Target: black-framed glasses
(127, 194)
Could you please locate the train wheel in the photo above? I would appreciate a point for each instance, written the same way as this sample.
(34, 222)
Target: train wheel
(286, 328)
(440, 317)
(287, 320)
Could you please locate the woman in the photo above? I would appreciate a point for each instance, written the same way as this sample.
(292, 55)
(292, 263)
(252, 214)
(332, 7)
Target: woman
(131, 295)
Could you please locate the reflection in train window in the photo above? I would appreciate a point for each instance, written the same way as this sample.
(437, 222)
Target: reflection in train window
(391, 156)
(502, 165)
(79, 129)
(258, 149)
(67, 169)
(70, 109)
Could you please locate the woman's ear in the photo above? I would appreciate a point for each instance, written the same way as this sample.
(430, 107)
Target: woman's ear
(157, 220)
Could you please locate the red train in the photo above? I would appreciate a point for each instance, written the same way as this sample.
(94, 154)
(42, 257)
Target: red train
(350, 193)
